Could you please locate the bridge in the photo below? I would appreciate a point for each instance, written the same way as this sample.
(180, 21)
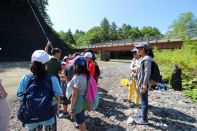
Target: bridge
(158, 42)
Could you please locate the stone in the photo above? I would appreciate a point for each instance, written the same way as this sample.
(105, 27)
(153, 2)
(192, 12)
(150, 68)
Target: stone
(112, 118)
(88, 120)
(194, 129)
(120, 116)
(130, 121)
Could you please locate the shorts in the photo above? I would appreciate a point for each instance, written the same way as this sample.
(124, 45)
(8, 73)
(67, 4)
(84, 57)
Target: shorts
(80, 117)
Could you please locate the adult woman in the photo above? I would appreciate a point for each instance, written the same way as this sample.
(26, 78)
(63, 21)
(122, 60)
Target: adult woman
(144, 80)
(4, 109)
(79, 85)
(39, 61)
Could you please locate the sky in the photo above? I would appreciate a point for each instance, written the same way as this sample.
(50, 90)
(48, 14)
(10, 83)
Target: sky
(85, 14)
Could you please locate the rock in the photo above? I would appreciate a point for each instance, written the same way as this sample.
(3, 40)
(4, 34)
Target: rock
(88, 120)
(112, 118)
(130, 121)
(120, 116)
(194, 129)
(164, 127)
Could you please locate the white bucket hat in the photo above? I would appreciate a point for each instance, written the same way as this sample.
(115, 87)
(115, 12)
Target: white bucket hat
(40, 56)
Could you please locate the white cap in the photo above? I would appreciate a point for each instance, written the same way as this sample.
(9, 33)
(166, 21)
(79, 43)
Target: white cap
(40, 56)
(88, 55)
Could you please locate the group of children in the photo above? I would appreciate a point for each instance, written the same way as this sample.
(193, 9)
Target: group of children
(69, 79)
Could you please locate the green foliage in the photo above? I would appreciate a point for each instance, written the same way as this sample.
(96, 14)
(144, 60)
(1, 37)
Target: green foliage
(41, 6)
(78, 36)
(125, 31)
(186, 58)
(150, 31)
(183, 26)
(192, 94)
(110, 32)
(67, 37)
(187, 61)
(104, 29)
(92, 36)
(113, 31)
(134, 33)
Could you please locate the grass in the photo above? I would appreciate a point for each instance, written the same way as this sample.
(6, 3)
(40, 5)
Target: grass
(186, 58)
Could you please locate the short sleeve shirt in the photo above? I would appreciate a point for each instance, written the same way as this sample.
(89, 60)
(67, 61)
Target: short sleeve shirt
(57, 92)
(53, 67)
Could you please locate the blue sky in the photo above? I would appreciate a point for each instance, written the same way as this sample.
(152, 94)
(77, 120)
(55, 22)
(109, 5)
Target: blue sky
(84, 14)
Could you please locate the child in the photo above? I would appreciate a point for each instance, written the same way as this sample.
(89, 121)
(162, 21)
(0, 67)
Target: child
(79, 85)
(38, 68)
(63, 81)
(133, 68)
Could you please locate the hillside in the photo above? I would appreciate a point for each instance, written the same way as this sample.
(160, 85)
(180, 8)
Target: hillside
(20, 33)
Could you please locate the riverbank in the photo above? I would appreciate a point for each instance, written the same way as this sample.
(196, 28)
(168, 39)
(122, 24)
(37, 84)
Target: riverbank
(168, 110)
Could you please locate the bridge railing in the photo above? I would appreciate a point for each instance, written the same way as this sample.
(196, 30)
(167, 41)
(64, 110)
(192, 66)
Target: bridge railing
(135, 40)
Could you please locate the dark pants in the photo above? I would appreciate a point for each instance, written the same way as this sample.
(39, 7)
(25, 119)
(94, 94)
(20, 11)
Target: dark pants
(144, 104)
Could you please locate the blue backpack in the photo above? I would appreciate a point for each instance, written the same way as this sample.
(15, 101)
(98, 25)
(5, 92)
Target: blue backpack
(36, 103)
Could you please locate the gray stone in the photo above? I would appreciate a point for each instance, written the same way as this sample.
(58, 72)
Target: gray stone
(112, 118)
(130, 121)
(88, 120)
(194, 129)
(120, 116)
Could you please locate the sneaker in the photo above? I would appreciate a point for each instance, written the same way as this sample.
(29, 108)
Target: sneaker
(63, 115)
(140, 121)
(73, 120)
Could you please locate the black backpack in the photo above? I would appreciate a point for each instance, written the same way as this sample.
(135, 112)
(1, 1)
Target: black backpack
(36, 103)
(155, 73)
(176, 80)
(97, 70)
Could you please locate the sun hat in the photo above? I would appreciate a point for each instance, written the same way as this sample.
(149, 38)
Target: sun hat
(134, 49)
(88, 55)
(142, 45)
(40, 56)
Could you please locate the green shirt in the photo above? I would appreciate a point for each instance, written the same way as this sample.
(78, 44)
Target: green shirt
(53, 67)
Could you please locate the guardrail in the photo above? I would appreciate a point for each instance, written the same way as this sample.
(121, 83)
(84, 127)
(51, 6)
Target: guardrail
(152, 39)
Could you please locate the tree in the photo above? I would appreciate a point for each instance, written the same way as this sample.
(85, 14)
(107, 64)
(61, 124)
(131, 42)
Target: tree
(150, 31)
(184, 26)
(41, 7)
(125, 31)
(67, 37)
(113, 32)
(78, 36)
(104, 29)
(134, 33)
(92, 36)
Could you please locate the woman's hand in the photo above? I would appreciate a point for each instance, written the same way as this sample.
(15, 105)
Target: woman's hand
(143, 89)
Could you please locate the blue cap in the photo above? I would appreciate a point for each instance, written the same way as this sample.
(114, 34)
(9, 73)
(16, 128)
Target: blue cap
(80, 61)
